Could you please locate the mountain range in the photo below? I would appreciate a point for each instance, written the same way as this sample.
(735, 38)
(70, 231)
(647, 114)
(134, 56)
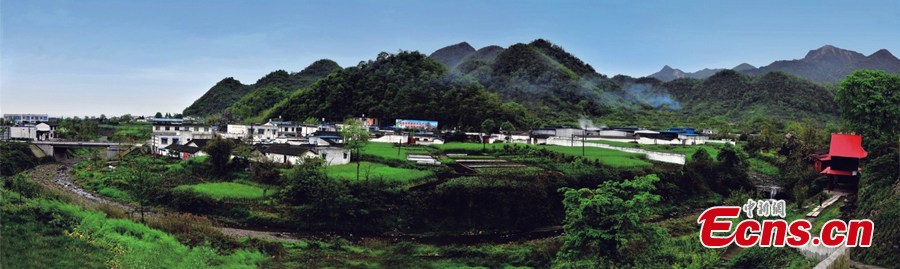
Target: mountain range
(828, 64)
(528, 84)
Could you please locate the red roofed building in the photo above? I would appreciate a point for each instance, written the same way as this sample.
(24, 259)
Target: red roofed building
(843, 156)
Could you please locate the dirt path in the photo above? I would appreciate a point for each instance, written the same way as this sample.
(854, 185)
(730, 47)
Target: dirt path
(58, 177)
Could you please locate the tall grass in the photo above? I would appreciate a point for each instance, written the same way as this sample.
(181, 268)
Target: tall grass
(375, 171)
(228, 190)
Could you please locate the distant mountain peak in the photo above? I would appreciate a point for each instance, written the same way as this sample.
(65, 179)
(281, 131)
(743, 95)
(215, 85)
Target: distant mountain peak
(832, 53)
(883, 53)
(452, 55)
(743, 67)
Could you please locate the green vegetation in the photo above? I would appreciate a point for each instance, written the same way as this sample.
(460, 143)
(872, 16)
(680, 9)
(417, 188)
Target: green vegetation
(131, 132)
(42, 232)
(372, 171)
(251, 99)
(764, 167)
(386, 88)
(256, 101)
(16, 157)
(229, 190)
(391, 151)
(609, 157)
(219, 97)
(870, 105)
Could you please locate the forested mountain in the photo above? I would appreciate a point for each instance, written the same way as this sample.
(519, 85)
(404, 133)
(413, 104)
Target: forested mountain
(217, 98)
(451, 56)
(403, 85)
(773, 95)
(249, 100)
(524, 84)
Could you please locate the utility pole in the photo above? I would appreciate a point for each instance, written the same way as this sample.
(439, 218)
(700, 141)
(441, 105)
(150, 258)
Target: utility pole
(582, 145)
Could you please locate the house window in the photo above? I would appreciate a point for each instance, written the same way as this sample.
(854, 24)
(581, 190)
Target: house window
(165, 140)
(156, 128)
(196, 129)
(345, 155)
(167, 128)
(260, 131)
(174, 140)
(206, 129)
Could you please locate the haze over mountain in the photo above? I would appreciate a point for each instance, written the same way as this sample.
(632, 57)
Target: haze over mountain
(523, 84)
(827, 64)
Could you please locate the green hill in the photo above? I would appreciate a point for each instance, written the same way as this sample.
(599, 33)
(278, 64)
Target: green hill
(219, 97)
(249, 100)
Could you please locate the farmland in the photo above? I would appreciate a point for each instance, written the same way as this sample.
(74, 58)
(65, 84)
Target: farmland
(375, 171)
(229, 190)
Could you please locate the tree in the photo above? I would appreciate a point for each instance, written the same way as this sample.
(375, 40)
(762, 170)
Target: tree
(507, 126)
(487, 127)
(158, 115)
(870, 105)
(698, 169)
(146, 182)
(733, 170)
(609, 226)
(219, 151)
(869, 100)
(356, 136)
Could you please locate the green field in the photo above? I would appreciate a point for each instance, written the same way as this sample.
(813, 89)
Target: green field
(376, 170)
(389, 151)
(228, 190)
(131, 132)
(609, 157)
(764, 168)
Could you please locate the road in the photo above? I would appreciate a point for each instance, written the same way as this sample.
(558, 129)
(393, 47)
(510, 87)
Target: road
(665, 157)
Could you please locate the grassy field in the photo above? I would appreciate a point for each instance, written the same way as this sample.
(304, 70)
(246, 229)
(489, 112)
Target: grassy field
(389, 151)
(228, 190)
(832, 212)
(764, 168)
(376, 170)
(131, 132)
(609, 157)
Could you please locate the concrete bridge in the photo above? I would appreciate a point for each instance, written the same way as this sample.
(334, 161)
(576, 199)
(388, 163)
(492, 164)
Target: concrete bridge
(58, 149)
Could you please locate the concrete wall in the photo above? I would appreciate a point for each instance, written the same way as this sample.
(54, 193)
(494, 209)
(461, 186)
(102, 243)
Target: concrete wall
(839, 259)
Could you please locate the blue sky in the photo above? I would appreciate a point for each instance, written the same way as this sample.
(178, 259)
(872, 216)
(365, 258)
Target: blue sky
(114, 57)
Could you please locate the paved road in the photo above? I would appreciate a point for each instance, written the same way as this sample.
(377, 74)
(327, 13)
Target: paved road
(651, 155)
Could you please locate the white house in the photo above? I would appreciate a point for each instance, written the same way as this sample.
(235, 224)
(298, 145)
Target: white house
(166, 134)
(39, 132)
(294, 154)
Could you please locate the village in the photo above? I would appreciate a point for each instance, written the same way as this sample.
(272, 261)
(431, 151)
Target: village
(417, 156)
(288, 142)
